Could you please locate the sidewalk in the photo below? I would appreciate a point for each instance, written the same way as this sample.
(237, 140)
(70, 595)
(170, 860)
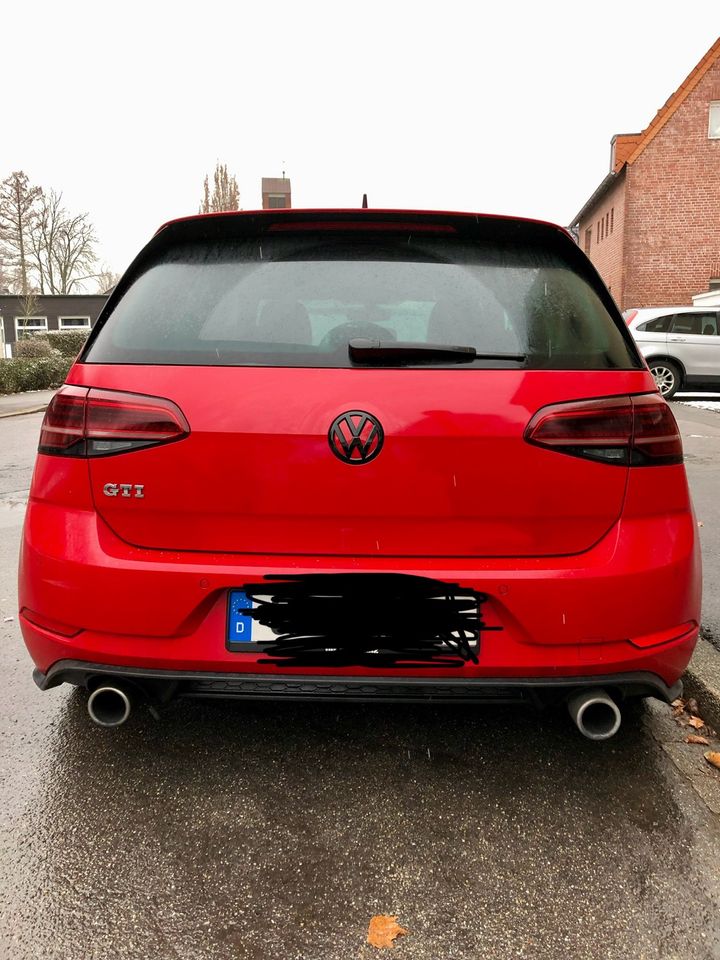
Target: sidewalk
(16, 404)
(702, 680)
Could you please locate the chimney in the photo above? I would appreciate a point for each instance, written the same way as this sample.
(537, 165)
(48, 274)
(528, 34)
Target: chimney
(276, 193)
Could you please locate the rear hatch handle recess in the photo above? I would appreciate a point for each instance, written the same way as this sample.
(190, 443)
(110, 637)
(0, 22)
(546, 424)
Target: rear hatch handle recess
(399, 353)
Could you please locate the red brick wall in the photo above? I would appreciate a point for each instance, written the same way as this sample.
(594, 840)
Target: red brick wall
(672, 217)
(606, 221)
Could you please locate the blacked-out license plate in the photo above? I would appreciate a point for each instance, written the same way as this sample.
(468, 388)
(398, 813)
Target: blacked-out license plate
(244, 634)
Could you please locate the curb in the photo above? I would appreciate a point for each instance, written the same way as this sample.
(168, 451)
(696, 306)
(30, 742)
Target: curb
(22, 413)
(702, 681)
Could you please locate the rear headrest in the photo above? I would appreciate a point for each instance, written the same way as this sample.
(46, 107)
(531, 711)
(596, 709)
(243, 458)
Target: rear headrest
(284, 321)
(469, 324)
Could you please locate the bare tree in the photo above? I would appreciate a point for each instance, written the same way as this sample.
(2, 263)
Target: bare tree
(29, 307)
(46, 227)
(225, 194)
(205, 202)
(106, 279)
(18, 211)
(62, 246)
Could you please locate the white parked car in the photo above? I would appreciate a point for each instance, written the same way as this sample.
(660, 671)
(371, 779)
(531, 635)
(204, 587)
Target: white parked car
(680, 344)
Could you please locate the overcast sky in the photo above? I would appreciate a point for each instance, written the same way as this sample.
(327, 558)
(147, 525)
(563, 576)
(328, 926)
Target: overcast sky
(503, 107)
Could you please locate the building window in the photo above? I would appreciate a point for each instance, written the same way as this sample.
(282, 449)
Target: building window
(74, 323)
(277, 201)
(612, 219)
(714, 121)
(607, 224)
(30, 325)
(597, 235)
(588, 239)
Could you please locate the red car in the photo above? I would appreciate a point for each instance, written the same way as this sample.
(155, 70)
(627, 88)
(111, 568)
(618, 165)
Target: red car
(363, 455)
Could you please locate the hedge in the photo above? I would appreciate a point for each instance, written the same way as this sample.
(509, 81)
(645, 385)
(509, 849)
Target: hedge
(31, 348)
(45, 373)
(68, 342)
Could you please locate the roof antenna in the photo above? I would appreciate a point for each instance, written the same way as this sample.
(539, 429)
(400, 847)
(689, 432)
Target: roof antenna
(364, 203)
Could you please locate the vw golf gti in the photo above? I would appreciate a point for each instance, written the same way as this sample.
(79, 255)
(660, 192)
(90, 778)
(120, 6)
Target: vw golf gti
(361, 454)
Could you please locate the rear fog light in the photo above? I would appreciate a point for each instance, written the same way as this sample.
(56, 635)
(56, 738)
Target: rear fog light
(52, 626)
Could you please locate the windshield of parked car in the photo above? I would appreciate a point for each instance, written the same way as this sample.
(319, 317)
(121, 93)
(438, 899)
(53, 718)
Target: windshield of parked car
(298, 301)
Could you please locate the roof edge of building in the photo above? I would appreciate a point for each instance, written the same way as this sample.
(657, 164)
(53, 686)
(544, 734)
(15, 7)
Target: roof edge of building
(48, 296)
(676, 100)
(596, 196)
(645, 137)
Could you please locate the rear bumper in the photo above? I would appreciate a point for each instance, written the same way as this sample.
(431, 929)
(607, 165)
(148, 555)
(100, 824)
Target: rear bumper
(628, 606)
(162, 685)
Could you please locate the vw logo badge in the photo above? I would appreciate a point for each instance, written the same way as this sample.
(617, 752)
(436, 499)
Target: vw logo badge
(356, 437)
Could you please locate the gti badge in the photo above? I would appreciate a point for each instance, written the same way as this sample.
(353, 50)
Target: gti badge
(356, 437)
(124, 490)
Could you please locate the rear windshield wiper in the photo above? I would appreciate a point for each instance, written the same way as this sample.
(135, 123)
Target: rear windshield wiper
(396, 352)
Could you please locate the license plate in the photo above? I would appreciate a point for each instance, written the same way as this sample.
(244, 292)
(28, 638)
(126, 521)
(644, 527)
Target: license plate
(244, 633)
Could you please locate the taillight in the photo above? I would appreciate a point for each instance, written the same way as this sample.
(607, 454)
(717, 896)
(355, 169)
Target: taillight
(656, 437)
(630, 316)
(63, 427)
(82, 422)
(629, 431)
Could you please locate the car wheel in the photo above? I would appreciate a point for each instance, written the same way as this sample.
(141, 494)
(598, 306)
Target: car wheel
(667, 377)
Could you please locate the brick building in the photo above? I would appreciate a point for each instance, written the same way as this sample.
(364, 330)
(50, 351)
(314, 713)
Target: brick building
(652, 227)
(276, 193)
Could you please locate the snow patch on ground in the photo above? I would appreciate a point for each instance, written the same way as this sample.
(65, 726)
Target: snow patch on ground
(713, 405)
(702, 401)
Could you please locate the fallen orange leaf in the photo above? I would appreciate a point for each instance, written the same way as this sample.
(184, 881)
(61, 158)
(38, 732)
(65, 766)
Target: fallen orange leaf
(383, 930)
(713, 757)
(694, 738)
(697, 722)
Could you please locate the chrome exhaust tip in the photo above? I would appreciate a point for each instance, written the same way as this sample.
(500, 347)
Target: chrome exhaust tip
(109, 706)
(595, 714)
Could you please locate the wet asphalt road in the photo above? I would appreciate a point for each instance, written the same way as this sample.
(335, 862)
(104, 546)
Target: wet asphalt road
(701, 442)
(276, 831)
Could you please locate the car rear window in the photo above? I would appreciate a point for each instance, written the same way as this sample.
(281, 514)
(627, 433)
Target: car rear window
(298, 301)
